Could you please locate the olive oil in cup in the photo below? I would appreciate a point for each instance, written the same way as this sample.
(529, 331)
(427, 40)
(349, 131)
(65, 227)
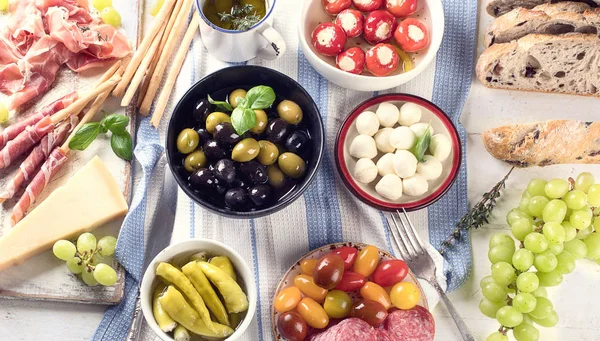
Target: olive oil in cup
(235, 15)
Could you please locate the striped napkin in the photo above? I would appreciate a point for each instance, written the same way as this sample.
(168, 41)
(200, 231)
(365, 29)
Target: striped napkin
(327, 212)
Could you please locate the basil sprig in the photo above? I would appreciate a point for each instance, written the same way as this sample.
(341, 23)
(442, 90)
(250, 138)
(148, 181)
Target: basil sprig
(422, 144)
(243, 118)
(220, 104)
(120, 141)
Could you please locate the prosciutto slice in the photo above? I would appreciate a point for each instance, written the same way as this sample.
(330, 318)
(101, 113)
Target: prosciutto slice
(52, 165)
(15, 129)
(25, 141)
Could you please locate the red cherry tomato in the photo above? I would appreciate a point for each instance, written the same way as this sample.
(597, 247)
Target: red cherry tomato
(367, 5)
(292, 326)
(369, 311)
(401, 8)
(328, 271)
(329, 39)
(379, 27)
(351, 21)
(351, 281)
(412, 35)
(390, 272)
(336, 6)
(348, 253)
(382, 60)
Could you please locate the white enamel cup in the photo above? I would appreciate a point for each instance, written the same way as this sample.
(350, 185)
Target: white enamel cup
(260, 41)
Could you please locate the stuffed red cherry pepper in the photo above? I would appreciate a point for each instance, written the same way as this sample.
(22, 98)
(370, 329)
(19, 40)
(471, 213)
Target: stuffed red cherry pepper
(382, 59)
(352, 60)
(351, 21)
(379, 27)
(329, 39)
(336, 6)
(401, 8)
(368, 5)
(412, 35)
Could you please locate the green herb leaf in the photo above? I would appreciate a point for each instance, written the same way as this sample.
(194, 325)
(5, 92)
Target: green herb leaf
(116, 123)
(243, 119)
(85, 136)
(220, 104)
(422, 144)
(260, 97)
(122, 145)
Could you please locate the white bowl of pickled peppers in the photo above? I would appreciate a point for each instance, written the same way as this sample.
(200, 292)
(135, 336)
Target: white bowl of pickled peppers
(198, 287)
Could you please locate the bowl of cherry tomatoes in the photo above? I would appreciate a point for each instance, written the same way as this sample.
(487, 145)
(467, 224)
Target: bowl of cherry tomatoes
(349, 288)
(371, 45)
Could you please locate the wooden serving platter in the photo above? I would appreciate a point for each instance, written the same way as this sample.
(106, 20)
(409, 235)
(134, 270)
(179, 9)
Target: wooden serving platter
(44, 277)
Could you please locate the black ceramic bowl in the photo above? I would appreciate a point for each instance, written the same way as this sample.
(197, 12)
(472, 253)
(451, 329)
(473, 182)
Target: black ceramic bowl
(244, 77)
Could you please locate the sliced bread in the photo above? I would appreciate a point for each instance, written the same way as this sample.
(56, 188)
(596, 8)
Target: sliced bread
(567, 64)
(545, 143)
(497, 8)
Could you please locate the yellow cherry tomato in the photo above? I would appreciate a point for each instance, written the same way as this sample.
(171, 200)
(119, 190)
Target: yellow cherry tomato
(308, 266)
(3, 5)
(337, 304)
(374, 292)
(287, 299)
(312, 312)
(307, 286)
(405, 295)
(367, 261)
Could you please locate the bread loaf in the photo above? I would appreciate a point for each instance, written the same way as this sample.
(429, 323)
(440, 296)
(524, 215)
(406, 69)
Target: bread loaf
(497, 8)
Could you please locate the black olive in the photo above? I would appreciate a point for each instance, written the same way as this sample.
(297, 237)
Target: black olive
(236, 198)
(225, 171)
(221, 190)
(201, 110)
(260, 194)
(203, 178)
(204, 135)
(240, 183)
(212, 150)
(277, 130)
(225, 135)
(254, 171)
(298, 142)
(249, 135)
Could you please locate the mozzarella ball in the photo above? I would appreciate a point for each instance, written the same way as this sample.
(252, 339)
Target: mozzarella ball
(419, 129)
(367, 123)
(385, 164)
(415, 185)
(430, 168)
(390, 187)
(388, 114)
(365, 171)
(405, 163)
(410, 113)
(440, 147)
(363, 146)
(402, 138)
(382, 140)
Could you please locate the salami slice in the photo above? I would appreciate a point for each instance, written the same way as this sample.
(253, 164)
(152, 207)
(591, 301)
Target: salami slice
(383, 335)
(415, 324)
(351, 329)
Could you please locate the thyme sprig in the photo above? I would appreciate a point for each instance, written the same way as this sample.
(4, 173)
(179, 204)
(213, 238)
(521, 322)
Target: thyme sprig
(478, 215)
(242, 18)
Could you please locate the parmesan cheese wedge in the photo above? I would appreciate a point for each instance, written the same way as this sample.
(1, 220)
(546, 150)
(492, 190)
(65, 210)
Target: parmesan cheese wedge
(89, 199)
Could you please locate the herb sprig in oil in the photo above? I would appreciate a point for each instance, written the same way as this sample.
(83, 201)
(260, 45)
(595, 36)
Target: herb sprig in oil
(242, 18)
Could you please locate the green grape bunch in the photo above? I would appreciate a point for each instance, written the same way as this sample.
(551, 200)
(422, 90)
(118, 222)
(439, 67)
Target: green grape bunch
(82, 258)
(556, 223)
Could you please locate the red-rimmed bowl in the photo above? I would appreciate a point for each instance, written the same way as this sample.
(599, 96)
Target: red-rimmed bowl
(441, 124)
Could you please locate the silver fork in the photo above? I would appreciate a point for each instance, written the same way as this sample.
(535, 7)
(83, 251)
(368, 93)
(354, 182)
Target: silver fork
(420, 262)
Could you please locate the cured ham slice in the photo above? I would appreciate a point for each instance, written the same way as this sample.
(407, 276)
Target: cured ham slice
(15, 129)
(52, 165)
(25, 141)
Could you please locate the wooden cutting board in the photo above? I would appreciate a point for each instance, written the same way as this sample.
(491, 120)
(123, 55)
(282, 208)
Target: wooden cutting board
(44, 277)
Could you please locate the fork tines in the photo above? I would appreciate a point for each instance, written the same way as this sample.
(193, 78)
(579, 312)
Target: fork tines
(405, 236)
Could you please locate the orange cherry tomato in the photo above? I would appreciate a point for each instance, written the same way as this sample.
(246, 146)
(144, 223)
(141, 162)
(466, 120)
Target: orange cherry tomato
(312, 312)
(307, 286)
(374, 292)
(405, 295)
(308, 266)
(367, 261)
(287, 299)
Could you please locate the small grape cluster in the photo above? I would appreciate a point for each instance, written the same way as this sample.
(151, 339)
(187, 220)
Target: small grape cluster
(86, 259)
(556, 223)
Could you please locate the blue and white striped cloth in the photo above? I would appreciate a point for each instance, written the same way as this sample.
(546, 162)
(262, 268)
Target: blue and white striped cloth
(327, 213)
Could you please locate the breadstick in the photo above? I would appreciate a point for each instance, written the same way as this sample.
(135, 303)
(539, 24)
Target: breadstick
(141, 51)
(163, 99)
(164, 57)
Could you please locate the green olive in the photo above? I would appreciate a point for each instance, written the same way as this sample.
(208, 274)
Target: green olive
(268, 153)
(245, 150)
(233, 97)
(194, 161)
(215, 118)
(292, 165)
(276, 176)
(290, 112)
(187, 141)
(261, 122)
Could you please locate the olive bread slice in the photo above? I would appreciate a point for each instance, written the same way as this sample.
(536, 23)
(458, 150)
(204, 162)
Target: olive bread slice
(567, 64)
(497, 8)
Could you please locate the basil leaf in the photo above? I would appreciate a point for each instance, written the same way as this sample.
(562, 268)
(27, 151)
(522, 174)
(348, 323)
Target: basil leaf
(116, 123)
(243, 119)
(85, 136)
(122, 145)
(220, 104)
(260, 97)
(422, 144)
